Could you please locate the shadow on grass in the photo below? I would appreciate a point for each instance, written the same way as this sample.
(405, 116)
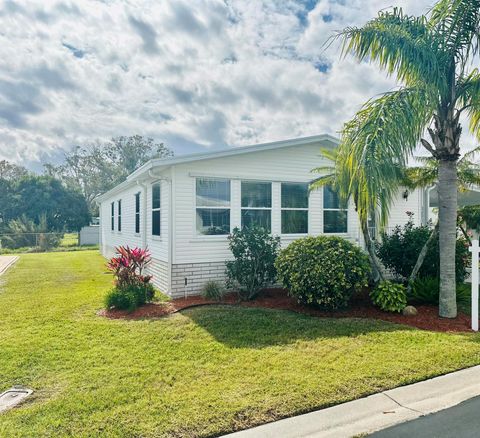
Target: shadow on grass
(242, 327)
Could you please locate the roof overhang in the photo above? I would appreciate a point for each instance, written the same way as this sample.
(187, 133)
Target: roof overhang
(143, 172)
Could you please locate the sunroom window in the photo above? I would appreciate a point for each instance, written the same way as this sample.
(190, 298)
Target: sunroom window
(112, 210)
(156, 213)
(137, 213)
(119, 215)
(335, 217)
(294, 208)
(212, 206)
(257, 204)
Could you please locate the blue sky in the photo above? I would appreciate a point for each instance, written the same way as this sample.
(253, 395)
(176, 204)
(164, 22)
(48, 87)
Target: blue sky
(193, 74)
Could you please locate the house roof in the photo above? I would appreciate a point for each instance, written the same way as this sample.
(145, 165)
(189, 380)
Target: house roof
(163, 163)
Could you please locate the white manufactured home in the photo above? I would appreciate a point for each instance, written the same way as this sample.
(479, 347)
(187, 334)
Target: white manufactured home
(183, 208)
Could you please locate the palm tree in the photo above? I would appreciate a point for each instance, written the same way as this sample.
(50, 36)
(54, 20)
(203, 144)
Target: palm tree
(430, 56)
(330, 175)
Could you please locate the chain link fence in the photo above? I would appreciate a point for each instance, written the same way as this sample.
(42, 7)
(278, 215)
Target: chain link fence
(36, 242)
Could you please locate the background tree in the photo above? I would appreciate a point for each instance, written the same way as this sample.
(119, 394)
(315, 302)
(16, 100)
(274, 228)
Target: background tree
(96, 168)
(431, 57)
(11, 172)
(64, 209)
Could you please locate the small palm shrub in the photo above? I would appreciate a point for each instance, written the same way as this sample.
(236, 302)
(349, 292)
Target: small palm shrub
(132, 287)
(213, 290)
(323, 271)
(253, 268)
(389, 296)
(426, 291)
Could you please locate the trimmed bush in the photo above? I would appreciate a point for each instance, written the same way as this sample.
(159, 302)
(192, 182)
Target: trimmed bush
(253, 268)
(390, 297)
(213, 290)
(323, 271)
(121, 300)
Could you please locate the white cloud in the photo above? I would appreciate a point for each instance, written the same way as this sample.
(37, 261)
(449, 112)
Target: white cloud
(197, 74)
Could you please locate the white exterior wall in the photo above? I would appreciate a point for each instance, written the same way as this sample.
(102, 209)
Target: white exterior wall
(400, 206)
(158, 245)
(199, 258)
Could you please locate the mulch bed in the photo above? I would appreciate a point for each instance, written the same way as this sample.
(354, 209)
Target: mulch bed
(360, 307)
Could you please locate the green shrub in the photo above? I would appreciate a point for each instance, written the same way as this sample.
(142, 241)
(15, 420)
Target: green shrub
(323, 271)
(390, 297)
(253, 268)
(426, 291)
(121, 300)
(399, 251)
(213, 290)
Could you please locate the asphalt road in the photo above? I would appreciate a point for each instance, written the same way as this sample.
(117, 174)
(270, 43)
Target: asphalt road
(461, 421)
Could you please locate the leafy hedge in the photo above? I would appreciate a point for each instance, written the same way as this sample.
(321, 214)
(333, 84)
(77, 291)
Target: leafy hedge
(399, 250)
(323, 271)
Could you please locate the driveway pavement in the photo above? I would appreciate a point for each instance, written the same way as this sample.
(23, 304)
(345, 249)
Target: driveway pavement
(378, 411)
(6, 262)
(461, 421)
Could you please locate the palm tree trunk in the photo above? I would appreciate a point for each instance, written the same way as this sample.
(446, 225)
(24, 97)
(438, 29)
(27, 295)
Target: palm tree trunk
(447, 217)
(421, 258)
(376, 268)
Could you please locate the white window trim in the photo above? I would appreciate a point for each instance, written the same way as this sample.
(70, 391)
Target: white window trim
(159, 209)
(200, 236)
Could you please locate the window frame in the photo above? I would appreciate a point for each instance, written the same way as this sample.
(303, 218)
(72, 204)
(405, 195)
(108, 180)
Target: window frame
(157, 209)
(209, 207)
(257, 208)
(307, 209)
(333, 209)
(137, 198)
(112, 216)
(119, 215)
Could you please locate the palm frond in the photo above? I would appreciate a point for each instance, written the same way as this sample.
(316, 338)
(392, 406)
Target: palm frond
(401, 44)
(469, 96)
(457, 23)
(376, 145)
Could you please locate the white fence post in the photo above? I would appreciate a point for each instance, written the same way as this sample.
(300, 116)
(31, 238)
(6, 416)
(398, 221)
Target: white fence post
(475, 250)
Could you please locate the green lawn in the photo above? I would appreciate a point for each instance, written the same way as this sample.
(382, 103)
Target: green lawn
(203, 372)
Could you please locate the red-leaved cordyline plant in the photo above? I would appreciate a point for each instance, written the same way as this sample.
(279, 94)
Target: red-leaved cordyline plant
(128, 266)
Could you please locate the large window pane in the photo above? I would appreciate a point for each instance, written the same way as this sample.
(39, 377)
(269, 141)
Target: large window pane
(260, 218)
(335, 221)
(330, 198)
(294, 221)
(213, 193)
(211, 221)
(256, 194)
(156, 223)
(294, 195)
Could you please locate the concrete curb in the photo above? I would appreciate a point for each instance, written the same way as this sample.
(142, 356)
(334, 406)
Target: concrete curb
(377, 411)
(10, 261)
